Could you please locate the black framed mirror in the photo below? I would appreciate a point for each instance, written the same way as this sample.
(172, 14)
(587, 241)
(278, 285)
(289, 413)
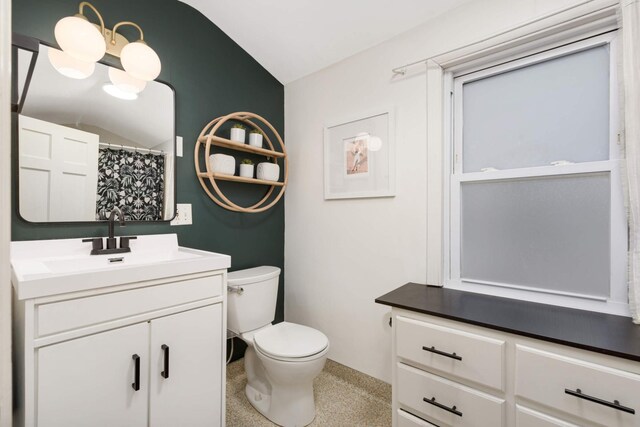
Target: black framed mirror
(85, 146)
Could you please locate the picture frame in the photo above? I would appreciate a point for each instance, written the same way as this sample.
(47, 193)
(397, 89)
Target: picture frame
(359, 156)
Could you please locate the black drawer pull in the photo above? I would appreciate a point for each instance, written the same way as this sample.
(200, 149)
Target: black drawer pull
(615, 405)
(165, 373)
(441, 406)
(136, 375)
(432, 349)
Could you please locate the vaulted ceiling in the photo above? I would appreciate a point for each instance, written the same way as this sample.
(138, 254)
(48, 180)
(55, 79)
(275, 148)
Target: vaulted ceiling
(294, 38)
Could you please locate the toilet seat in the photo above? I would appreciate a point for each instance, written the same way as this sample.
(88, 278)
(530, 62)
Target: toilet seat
(290, 342)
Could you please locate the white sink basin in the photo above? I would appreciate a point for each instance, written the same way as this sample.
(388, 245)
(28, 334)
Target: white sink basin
(50, 267)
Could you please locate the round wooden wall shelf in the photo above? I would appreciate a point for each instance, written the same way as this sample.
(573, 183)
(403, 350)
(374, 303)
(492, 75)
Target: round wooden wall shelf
(208, 178)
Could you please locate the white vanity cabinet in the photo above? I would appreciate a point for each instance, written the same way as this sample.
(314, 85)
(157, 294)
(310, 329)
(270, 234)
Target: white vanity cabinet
(190, 345)
(454, 374)
(148, 353)
(80, 381)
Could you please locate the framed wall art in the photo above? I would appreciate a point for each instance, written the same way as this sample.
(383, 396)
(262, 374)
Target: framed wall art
(359, 157)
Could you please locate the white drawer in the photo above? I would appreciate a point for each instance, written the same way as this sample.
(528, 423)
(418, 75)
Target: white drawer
(543, 377)
(526, 417)
(473, 408)
(405, 419)
(477, 358)
(76, 313)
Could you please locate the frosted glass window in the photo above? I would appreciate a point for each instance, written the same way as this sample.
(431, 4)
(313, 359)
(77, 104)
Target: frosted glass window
(548, 233)
(541, 113)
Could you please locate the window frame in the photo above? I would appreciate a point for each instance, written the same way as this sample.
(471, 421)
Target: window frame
(617, 303)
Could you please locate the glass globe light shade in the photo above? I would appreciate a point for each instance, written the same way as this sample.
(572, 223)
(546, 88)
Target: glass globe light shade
(125, 82)
(80, 39)
(115, 91)
(140, 61)
(69, 66)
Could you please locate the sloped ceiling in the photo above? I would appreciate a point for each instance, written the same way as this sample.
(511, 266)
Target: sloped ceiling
(294, 38)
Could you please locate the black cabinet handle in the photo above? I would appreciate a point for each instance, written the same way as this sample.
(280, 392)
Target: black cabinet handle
(432, 349)
(615, 405)
(165, 373)
(136, 375)
(433, 402)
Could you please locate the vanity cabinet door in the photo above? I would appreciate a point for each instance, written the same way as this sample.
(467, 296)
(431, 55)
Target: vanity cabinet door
(89, 381)
(189, 346)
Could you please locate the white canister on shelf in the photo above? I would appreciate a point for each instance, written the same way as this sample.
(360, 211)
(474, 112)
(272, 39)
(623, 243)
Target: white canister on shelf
(222, 163)
(255, 139)
(268, 171)
(237, 135)
(246, 171)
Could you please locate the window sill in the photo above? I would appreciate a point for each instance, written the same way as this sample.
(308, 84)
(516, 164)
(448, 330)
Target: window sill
(541, 296)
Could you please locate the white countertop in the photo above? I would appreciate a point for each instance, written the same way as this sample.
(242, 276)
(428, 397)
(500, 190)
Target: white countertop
(49, 267)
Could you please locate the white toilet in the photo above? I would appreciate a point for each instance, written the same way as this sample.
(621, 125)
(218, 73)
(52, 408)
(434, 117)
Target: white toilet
(281, 360)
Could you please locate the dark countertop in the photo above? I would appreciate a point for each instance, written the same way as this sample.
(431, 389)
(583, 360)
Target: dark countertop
(588, 330)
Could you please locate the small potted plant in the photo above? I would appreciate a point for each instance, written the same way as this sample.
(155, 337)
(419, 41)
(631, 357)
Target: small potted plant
(238, 133)
(255, 138)
(246, 168)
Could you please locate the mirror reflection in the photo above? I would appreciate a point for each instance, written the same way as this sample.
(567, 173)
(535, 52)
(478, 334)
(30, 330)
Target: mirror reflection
(87, 146)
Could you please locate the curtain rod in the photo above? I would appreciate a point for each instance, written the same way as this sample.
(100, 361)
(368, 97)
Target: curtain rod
(403, 69)
(125, 147)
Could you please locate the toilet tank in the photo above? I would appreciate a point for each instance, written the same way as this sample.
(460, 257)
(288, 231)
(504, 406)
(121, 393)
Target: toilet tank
(251, 301)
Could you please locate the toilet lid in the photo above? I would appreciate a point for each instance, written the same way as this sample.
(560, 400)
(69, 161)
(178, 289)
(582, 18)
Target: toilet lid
(289, 340)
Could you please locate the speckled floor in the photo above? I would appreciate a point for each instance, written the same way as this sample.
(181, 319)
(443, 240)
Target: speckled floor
(344, 398)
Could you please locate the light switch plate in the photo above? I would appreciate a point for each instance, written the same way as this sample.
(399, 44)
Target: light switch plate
(179, 146)
(183, 214)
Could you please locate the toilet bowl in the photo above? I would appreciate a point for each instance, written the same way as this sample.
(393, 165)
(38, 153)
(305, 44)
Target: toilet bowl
(281, 360)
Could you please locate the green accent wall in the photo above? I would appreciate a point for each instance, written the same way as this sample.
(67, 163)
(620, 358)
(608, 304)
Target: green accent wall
(212, 76)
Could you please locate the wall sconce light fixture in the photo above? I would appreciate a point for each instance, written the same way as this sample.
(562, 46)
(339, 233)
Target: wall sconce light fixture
(83, 43)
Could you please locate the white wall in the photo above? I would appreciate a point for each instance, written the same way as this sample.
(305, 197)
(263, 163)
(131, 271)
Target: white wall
(5, 213)
(341, 255)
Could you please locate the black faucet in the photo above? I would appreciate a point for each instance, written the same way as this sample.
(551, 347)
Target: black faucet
(111, 240)
(112, 246)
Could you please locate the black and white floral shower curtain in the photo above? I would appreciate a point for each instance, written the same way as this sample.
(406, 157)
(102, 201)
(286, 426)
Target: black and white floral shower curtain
(131, 181)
